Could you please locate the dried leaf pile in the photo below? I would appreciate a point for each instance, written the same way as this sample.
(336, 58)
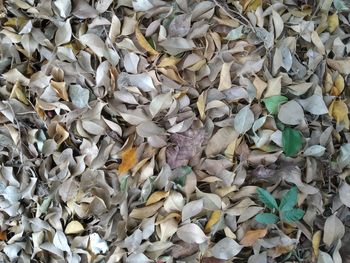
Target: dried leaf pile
(174, 131)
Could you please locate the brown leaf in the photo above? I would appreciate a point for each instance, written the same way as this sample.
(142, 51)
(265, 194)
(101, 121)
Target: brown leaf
(251, 236)
(129, 160)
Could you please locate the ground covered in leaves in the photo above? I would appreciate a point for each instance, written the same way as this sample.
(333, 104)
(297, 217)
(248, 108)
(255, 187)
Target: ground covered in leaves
(174, 131)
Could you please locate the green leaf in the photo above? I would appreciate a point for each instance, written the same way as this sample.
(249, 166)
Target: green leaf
(292, 141)
(340, 5)
(267, 198)
(180, 180)
(123, 183)
(272, 103)
(293, 215)
(289, 200)
(266, 218)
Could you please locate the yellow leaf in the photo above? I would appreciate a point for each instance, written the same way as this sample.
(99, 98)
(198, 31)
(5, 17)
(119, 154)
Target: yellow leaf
(147, 211)
(214, 218)
(225, 190)
(168, 61)
(156, 196)
(333, 22)
(39, 110)
(316, 239)
(251, 236)
(172, 74)
(251, 5)
(328, 82)
(162, 219)
(339, 111)
(15, 22)
(339, 85)
(17, 93)
(143, 42)
(60, 134)
(74, 227)
(129, 160)
(231, 148)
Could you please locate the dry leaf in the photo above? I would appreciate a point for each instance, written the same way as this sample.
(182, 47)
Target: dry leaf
(213, 219)
(143, 42)
(316, 239)
(129, 160)
(225, 77)
(145, 212)
(251, 236)
(191, 233)
(156, 196)
(74, 227)
(339, 85)
(333, 22)
(339, 111)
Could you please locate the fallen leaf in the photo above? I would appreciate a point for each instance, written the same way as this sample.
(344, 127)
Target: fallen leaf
(278, 23)
(143, 42)
(251, 236)
(129, 160)
(3, 236)
(273, 87)
(333, 22)
(339, 85)
(191, 233)
(344, 194)
(74, 227)
(225, 77)
(341, 65)
(292, 141)
(156, 196)
(220, 140)
(333, 230)
(95, 43)
(213, 219)
(226, 248)
(339, 111)
(146, 212)
(291, 113)
(244, 120)
(314, 104)
(316, 240)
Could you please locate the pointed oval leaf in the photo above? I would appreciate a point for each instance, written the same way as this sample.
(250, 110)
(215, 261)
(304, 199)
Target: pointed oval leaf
(226, 248)
(267, 218)
(289, 200)
(292, 141)
(191, 233)
(267, 198)
(244, 120)
(273, 103)
(293, 215)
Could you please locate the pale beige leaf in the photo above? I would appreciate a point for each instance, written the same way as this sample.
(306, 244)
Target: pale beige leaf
(225, 77)
(74, 227)
(191, 233)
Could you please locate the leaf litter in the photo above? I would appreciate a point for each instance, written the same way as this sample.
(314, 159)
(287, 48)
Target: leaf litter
(174, 131)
